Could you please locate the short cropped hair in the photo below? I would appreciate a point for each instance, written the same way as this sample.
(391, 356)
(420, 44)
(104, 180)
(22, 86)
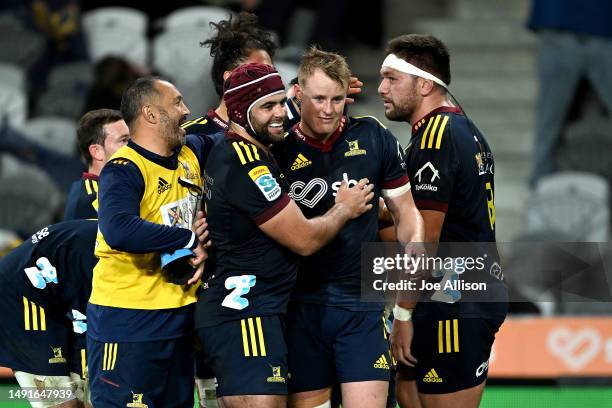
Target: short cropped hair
(91, 129)
(423, 51)
(332, 64)
(138, 94)
(234, 41)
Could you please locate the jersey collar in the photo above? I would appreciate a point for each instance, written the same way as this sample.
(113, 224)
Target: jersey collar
(89, 176)
(329, 143)
(212, 115)
(441, 109)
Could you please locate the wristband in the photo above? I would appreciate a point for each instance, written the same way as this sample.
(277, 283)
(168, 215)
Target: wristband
(401, 314)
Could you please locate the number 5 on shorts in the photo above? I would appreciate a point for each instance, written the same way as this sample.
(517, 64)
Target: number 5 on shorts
(242, 285)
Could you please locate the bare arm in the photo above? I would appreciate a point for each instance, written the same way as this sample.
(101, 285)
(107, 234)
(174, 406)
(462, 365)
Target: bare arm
(305, 236)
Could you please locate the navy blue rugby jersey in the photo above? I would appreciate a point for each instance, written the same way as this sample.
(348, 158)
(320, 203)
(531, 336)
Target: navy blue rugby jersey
(209, 125)
(248, 273)
(360, 148)
(82, 200)
(452, 168)
(53, 268)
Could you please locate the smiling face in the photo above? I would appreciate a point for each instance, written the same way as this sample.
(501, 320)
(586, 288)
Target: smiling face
(399, 94)
(322, 104)
(173, 113)
(267, 117)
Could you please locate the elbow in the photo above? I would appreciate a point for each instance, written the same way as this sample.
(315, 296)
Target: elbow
(114, 236)
(305, 247)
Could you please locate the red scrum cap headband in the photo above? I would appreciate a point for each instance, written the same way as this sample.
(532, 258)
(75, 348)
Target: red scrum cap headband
(245, 86)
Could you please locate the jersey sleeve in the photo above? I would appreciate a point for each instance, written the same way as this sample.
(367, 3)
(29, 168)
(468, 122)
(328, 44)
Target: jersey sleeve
(433, 168)
(395, 180)
(254, 188)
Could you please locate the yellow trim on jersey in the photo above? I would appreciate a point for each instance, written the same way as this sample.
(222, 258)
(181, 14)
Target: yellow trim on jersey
(440, 331)
(433, 131)
(441, 132)
(88, 187)
(247, 153)
(199, 121)
(456, 334)
(250, 339)
(424, 137)
(26, 313)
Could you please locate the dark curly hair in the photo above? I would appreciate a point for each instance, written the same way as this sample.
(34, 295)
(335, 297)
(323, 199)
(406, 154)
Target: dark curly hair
(235, 39)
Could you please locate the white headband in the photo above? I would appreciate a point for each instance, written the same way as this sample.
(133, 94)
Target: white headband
(393, 61)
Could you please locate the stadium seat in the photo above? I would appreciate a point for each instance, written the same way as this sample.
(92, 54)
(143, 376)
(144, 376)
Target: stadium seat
(287, 71)
(118, 31)
(29, 200)
(115, 18)
(19, 44)
(196, 18)
(178, 55)
(66, 91)
(13, 104)
(574, 203)
(13, 75)
(52, 132)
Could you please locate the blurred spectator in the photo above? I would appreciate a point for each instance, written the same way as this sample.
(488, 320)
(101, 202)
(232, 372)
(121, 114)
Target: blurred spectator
(59, 22)
(112, 76)
(575, 44)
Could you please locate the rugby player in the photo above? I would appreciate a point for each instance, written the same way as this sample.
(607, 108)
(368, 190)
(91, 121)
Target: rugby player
(333, 336)
(44, 287)
(100, 134)
(451, 167)
(257, 231)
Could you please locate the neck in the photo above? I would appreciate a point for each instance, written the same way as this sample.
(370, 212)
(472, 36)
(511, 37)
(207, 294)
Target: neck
(95, 168)
(221, 111)
(151, 140)
(239, 130)
(308, 132)
(429, 104)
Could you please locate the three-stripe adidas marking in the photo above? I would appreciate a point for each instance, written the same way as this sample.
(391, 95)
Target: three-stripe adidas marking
(434, 132)
(300, 162)
(432, 377)
(252, 335)
(162, 185)
(382, 362)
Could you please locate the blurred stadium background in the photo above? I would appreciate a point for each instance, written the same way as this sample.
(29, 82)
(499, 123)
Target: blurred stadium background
(60, 58)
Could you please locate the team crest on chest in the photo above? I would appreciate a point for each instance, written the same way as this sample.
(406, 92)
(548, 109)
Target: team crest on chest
(354, 149)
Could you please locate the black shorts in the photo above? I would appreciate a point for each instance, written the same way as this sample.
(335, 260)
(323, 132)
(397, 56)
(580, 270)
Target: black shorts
(34, 339)
(329, 345)
(248, 356)
(452, 354)
(156, 374)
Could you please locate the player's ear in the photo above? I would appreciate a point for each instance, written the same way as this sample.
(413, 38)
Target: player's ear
(298, 92)
(96, 152)
(426, 86)
(149, 114)
(226, 75)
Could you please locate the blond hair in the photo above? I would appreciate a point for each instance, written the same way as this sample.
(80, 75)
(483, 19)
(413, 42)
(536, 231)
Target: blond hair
(333, 65)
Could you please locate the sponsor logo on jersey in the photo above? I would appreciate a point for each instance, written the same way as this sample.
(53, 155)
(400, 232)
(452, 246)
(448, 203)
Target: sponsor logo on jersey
(382, 362)
(137, 402)
(421, 176)
(188, 174)
(484, 163)
(276, 376)
(40, 235)
(300, 162)
(345, 177)
(57, 356)
(354, 149)
(482, 368)
(308, 194)
(266, 182)
(162, 185)
(432, 377)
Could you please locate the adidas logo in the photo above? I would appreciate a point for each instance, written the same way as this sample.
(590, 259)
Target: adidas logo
(382, 362)
(162, 186)
(432, 377)
(300, 162)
